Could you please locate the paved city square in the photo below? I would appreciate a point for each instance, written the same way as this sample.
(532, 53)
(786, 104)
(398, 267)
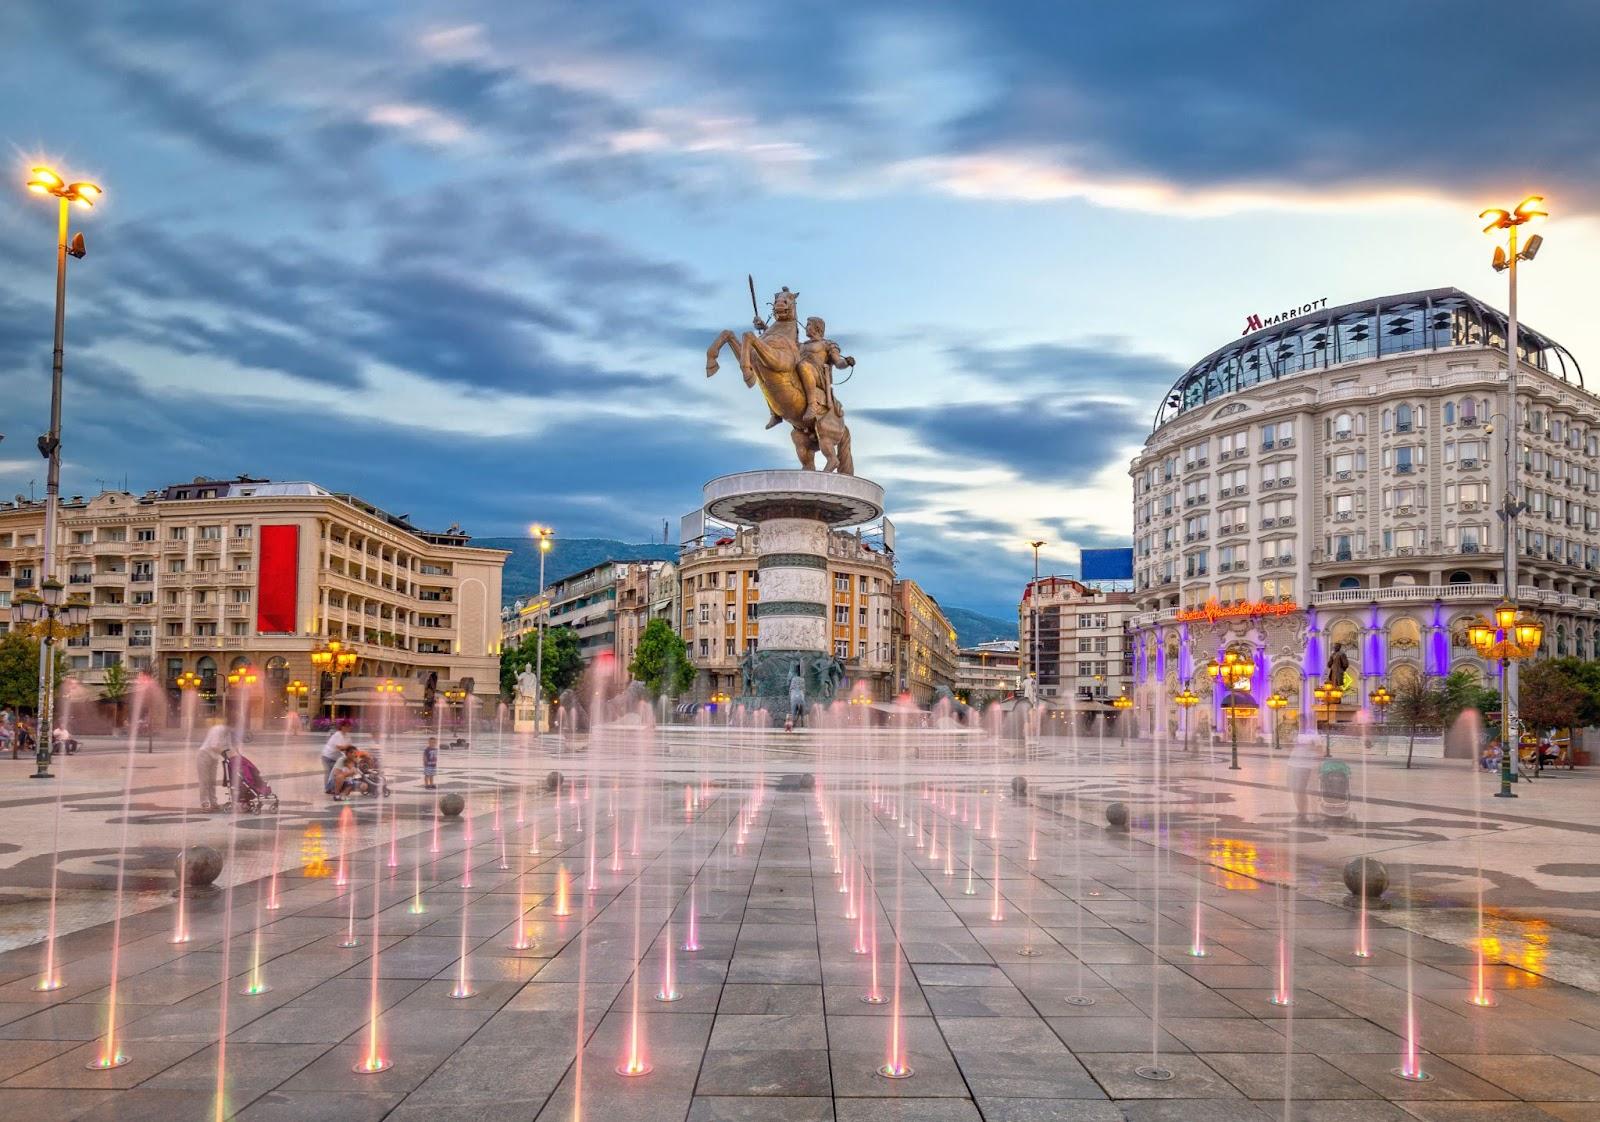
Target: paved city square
(771, 1023)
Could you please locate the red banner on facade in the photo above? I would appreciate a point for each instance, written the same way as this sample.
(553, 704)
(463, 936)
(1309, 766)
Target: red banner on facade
(278, 580)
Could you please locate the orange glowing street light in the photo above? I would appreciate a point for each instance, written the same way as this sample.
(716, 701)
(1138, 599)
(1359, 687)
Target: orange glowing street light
(44, 180)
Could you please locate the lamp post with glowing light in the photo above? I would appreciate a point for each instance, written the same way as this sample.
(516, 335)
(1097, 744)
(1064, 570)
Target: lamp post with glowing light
(1506, 257)
(242, 677)
(1277, 703)
(296, 691)
(48, 614)
(1186, 700)
(1122, 702)
(45, 181)
(1510, 636)
(333, 659)
(1381, 699)
(544, 534)
(1328, 697)
(1230, 672)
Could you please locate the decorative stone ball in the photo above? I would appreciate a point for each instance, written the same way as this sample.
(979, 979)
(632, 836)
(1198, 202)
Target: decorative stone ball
(552, 782)
(451, 804)
(1117, 815)
(198, 865)
(1377, 877)
(1019, 786)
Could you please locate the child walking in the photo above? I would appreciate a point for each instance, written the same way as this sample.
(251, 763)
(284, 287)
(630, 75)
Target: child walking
(430, 762)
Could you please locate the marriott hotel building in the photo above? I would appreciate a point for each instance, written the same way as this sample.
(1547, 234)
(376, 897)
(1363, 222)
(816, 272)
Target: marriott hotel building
(1335, 478)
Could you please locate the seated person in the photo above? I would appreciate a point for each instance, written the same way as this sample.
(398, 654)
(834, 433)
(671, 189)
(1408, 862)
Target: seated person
(346, 778)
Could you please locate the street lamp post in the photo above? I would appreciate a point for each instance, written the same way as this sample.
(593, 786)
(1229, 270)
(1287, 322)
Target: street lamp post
(44, 181)
(1123, 703)
(49, 614)
(1230, 672)
(332, 659)
(1033, 605)
(1328, 697)
(1510, 636)
(1381, 699)
(1186, 700)
(544, 534)
(1529, 210)
(1276, 702)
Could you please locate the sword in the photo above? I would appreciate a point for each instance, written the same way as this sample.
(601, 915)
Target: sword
(754, 307)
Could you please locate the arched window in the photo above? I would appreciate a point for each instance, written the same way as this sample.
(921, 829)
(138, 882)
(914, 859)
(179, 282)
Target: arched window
(1344, 423)
(1460, 577)
(1350, 582)
(1402, 418)
(1469, 409)
(1579, 647)
(1449, 412)
(1561, 641)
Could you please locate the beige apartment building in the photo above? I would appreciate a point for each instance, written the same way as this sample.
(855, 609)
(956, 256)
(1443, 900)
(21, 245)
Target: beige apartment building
(925, 643)
(721, 586)
(988, 671)
(1082, 650)
(213, 575)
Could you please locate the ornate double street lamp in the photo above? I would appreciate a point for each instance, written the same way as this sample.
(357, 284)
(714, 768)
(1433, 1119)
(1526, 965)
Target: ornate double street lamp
(1122, 702)
(188, 680)
(332, 658)
(48, 614)
(1328, 697)
(1510, 636)
(1381, 699)
(1186, 699)
(1277, 703)
(1231, 672)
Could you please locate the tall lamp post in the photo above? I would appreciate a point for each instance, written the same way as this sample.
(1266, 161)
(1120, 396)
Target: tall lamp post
(1510, 636)
(1033, 643)
(1186, 700)
(1277, 703)
(1506, 257)
(1328, 697)
(48, 614)
(1123, 703)
(1381, 699)
(332, 658)
(544, 534)
(45, 181)
(1230, 672)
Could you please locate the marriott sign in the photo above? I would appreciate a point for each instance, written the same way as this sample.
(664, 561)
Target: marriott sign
(1256, 321)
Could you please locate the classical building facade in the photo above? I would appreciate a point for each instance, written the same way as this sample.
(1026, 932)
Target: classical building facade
(720, 587)
(988, 671)
(1335, 480)
(212, 575)
(924, 643)
(1082, 643)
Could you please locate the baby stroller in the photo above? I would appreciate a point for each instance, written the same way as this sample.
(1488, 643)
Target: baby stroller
(372, 780)
(252, 793)
(1334, 784)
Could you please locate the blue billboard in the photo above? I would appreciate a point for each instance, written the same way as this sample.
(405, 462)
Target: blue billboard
(1107, 564)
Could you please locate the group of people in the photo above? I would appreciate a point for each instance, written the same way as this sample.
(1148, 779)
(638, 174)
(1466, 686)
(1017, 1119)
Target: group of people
(19, 734)
(349, 770)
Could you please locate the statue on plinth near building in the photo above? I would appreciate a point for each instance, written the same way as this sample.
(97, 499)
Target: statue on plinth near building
(795, 378)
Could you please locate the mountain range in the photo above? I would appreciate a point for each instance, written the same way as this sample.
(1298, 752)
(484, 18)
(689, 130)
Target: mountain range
(520, 578)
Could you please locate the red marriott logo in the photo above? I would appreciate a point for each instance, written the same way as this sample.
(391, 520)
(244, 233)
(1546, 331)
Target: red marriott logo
(1256, 321)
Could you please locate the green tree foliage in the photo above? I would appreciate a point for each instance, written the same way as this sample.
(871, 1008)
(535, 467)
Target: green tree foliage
(1549, 696)
(1585, 677)
(662, 660)
(114, 687)
(1436, 704)
(19, 670)
(563, 662)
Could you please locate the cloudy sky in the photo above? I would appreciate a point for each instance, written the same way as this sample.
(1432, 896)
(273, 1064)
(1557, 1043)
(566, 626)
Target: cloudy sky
(464, 259)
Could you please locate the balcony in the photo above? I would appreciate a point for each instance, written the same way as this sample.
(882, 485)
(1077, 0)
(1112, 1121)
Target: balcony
(80, 578)
(1403, 469)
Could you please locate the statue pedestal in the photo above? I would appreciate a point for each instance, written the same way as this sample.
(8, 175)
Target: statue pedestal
(794, 513)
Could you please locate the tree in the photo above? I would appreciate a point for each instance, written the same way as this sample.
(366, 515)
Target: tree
(1415, 706)
(114, 687)
(19, 670)
(563, 662)
(662, 661)
(1549, 698)
(1437, 703)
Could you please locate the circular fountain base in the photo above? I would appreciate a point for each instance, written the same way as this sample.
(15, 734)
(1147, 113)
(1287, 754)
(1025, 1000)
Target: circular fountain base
(635, 1069)
(1413, 1077)
(1079, 999)
(890, 1071)
(372, 1067)
(1153, 1073)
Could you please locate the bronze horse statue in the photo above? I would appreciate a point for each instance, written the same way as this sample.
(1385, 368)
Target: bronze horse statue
(777, 362)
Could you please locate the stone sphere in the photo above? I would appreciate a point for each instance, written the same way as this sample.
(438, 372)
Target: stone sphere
(1019, 786)
(451, 804)
(1377, 877)
(198, 865)
(1117, 815)
(552, 782)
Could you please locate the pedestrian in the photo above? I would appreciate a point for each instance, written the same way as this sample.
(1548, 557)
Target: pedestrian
(8, 729)
(207, 758)
(1304, 759)
(430, 762)
(333, 752)
(345, 776)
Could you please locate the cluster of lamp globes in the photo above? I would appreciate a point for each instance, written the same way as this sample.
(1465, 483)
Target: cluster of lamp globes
(1509, 634)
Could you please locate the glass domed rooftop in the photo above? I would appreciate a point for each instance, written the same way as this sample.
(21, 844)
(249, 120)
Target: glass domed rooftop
(1361, 332)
